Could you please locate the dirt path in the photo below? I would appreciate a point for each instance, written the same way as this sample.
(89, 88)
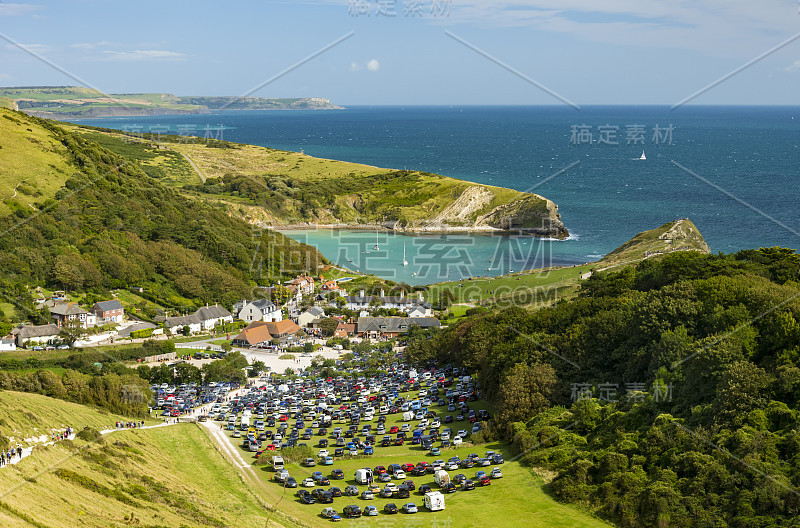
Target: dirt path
(195, 167)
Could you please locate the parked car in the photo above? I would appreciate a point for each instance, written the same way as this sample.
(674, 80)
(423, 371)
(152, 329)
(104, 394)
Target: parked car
(390, 508)
(370, 511)
(351, 491)
(496, 473)
(467, 485)
(367, 495)
(410, 507)
(352, 511)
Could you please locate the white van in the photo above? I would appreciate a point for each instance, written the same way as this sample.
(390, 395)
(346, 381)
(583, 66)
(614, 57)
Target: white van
(277, 462)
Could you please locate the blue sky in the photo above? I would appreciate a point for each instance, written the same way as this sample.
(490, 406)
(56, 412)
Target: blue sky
(586, 52)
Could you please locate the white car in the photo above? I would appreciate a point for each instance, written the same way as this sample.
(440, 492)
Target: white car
(308, 483)
(323, 453)
(399, 474)
(457, 441)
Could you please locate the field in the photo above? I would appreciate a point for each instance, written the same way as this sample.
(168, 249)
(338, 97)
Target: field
(534, 287)
(518, 495)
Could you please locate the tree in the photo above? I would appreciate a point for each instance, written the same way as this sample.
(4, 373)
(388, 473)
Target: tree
(308, 348)
(328, 326)
(525, 391)
(226, 347)
(186, 330)
(71, 331)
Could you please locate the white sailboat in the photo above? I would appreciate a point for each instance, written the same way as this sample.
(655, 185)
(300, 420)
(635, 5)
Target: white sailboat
(642, 157)
(405, 262)
(376, 240)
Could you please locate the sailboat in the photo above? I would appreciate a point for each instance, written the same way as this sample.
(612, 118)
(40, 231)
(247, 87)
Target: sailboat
(642, 157)
(405, 262)
(376, 240)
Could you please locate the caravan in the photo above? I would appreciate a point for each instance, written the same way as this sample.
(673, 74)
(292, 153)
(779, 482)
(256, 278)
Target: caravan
(408, 416)
(434, 501)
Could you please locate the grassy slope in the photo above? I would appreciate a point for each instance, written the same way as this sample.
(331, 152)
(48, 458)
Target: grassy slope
(288, 187)
(24, 415)
(543, 287)
(32, 162)
(165, 477)
(666, 238)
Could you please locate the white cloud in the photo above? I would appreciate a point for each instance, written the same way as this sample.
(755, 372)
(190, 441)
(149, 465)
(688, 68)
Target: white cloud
(17, 9)
(34, 48)
(142, 55)
(373, 65)
(354, 66)
(793, 66)
(91, 45)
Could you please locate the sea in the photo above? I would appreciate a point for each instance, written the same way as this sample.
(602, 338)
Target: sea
(734, 171)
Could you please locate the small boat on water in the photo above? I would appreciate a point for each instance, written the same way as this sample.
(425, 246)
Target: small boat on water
(405, 262)
(376, 241)
(642, 157)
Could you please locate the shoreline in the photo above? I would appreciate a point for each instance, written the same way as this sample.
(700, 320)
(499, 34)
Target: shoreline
(417, 231)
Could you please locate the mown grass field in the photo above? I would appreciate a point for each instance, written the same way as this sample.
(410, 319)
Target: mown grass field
(534, 287)
(518, 499)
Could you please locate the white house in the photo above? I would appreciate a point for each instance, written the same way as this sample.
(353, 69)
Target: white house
(259, 310)
(7, 344)
(37, 334)
(174, 325)
(211, 316)
(404, 304)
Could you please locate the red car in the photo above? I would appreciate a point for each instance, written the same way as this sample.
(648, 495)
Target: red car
(394, 429)
(399, 442)
(407, 467)
(485, 481)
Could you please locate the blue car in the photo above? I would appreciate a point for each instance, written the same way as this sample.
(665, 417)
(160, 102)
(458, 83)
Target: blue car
(327, 461)
(368, 450)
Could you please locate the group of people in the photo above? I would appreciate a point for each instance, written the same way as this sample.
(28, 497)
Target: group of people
(62, 435)
(129, 425)
(7, 456)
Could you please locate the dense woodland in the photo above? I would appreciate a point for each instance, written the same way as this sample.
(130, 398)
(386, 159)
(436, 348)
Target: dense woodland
(703, 429)
(113, 226)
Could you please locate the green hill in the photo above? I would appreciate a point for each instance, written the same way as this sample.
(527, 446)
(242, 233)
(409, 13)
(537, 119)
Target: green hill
(73, 102)
(680, 235)
(162, 477)
(86, 219)
(279, 188)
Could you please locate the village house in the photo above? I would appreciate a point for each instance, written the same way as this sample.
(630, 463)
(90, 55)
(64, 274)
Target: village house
(309, 316)
(7, 344)
(303, 283)
(258, 310)
(419, 307)
(344, 329)
(385, 327)
(262, 332)
(35, 334)
(108, 312)
(205, 318)
(70, 311)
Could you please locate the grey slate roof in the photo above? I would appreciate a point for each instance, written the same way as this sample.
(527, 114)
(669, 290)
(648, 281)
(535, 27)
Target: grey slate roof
(67, 309)
(107, 306)
(394, 324)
